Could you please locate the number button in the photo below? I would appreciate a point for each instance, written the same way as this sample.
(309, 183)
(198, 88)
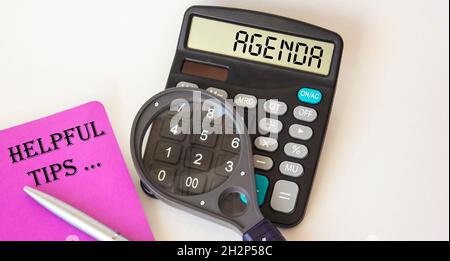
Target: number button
(168, 152)
(226, 164)
(192, 183)
(206, 138)
(198, 159)
(162, 175)
(172, 131)
(231, 143)
(212, 112)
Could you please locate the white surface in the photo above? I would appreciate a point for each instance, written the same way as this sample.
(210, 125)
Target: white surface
(384, 171)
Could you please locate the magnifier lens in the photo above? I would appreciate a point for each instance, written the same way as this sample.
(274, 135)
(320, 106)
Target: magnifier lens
(186, 150)
(193, 152)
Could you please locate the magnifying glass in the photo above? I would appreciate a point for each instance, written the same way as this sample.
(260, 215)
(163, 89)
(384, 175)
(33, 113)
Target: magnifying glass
(192, 150)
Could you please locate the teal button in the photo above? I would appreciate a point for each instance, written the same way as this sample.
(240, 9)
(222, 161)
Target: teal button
(309, 95)
(262, 183)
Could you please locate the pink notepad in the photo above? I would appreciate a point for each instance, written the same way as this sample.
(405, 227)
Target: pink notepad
(74, 156)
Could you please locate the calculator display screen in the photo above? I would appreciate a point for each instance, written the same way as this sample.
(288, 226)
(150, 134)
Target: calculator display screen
(260, 45)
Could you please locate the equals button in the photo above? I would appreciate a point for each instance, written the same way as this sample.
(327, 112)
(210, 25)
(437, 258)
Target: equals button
(284, 196)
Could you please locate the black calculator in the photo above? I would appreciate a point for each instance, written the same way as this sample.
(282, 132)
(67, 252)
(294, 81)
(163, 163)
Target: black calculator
(291, 67)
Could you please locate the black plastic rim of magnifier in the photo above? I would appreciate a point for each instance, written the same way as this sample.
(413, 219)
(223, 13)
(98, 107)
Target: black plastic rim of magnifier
(245, 185)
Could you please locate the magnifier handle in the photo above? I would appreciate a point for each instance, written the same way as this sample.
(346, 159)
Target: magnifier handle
(263, 231)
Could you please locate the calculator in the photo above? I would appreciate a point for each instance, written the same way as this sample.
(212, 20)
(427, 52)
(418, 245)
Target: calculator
(292, 67)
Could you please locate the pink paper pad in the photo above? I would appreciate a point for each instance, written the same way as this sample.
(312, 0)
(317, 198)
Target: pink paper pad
(101, 187)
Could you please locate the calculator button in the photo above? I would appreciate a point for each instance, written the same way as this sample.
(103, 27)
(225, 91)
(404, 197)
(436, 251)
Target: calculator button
(231, 143)
(291, 169)
(162, 175)
(262, 183)
(284, 196)
(225, 165)
(187, 84)
(173, 131)
(180, 107)
(218, 92)
(211, 111)
(305, 114)
(245, 100)
(262, 162)
(309, 95)
(295, 150)
(275, 107)
(205, 138)
(300, 132)
(270, 125)
(198, 159)
(266, 144)
(192, 183)
(168, 152)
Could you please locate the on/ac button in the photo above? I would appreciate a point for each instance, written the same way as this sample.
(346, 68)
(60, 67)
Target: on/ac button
(309, 95)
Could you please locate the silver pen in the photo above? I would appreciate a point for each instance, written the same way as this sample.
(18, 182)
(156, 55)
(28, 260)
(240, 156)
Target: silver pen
(73, 216)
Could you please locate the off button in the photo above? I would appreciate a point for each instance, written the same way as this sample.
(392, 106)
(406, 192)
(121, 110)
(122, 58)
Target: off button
(309, 95)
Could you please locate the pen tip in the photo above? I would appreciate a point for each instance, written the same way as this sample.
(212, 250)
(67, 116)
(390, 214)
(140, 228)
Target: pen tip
(27, 189)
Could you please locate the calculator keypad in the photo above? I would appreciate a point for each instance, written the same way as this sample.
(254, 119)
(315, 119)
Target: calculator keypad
(189, 164)
(280, 193)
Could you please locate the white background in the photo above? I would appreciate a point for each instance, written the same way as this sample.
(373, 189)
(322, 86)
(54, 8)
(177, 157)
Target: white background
(384, 170)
